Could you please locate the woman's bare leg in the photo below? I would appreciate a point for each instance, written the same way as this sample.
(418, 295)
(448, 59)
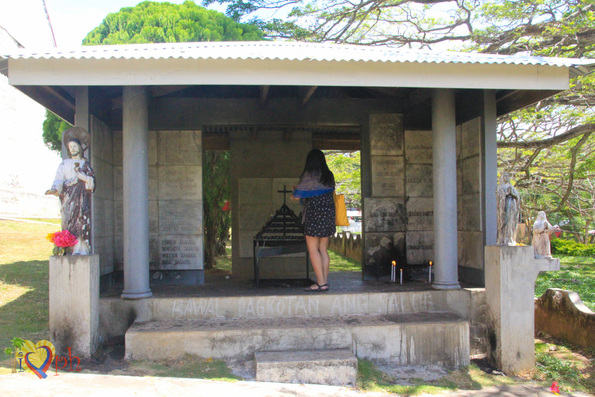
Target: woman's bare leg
(316, 258)
(325, 259)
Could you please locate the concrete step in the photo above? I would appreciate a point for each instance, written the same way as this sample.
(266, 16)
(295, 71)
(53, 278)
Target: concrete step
(305, 305)
(439, 338)
(323, 367)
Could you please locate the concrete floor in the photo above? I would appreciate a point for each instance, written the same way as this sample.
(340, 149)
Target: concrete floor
(221, 286)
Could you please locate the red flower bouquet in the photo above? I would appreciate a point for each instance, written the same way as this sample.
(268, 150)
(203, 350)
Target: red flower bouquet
(62, 241)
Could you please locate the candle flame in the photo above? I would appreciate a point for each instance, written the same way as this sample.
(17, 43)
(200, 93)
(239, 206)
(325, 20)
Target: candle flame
(394, 263)
(430, 263)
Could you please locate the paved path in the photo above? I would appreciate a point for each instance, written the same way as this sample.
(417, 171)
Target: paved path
(88, 385)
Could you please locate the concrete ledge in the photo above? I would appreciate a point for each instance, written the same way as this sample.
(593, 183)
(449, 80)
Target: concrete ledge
(563, 314)
(323, 367)
(409, 339)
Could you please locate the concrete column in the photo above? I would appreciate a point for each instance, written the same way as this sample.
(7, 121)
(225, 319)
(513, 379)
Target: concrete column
(490, 168)
(445, 189)
(136, 192)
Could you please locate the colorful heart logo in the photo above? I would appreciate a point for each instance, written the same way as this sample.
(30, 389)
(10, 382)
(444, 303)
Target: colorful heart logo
(39, 356)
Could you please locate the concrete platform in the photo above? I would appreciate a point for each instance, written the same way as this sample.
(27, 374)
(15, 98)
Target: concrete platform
(406, 339)
(322, 367)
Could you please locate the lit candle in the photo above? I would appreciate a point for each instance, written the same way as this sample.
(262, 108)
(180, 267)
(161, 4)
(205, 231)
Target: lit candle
(393, 272)
(401, 279)
(430, 272)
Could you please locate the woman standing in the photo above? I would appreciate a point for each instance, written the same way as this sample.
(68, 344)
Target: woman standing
(315, 192)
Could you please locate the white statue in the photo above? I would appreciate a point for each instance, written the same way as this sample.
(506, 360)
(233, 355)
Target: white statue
(542, 230)
(74, 183)
(508, 211)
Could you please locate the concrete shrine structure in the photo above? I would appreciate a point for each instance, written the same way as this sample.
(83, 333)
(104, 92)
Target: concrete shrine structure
(425, 123)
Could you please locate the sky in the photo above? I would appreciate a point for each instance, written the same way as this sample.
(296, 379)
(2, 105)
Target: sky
(71, 19)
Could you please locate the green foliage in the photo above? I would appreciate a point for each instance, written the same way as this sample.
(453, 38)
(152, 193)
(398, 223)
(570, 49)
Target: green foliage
(153, 22)
(53, 127)
(572, 248)
(554, 368)
(347, 170)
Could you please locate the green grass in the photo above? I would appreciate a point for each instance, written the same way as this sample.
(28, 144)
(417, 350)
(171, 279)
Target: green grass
(24, 254)
(576, 274)
(570, 366)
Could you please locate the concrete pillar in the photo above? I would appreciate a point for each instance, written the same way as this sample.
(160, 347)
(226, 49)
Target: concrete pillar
(490, 168)
(445, 189)
(136, 192)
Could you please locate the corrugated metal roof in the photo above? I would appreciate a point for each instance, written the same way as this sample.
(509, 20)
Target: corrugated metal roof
(292, 51)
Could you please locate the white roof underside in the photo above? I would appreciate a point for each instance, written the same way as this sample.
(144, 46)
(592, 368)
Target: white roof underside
(284, 63)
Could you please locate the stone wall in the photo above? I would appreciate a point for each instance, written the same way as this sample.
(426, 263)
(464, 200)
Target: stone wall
(102, 162)
(469, 187)
(563, 314)
(399, 214)
(175, 206)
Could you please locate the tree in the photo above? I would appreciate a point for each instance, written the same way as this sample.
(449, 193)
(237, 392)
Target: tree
(152, 22)
(346, 167)
(548, 146)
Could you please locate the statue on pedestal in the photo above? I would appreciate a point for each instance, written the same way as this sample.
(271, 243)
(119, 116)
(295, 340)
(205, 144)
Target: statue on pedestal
(508, 211)
(542, 230)
(74, 183)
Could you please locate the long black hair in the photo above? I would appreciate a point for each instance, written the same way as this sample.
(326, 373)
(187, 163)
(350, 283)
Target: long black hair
(316, 165)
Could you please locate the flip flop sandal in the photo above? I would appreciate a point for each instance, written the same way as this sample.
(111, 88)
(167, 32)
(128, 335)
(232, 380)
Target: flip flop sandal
(317, 289)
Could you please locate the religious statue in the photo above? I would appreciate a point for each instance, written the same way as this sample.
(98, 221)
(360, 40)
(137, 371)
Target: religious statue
(542, 230)
(74, 184)
(508, 211)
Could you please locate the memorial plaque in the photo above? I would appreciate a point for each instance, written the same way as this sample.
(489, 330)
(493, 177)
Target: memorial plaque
(419, 181)
(180, 217)
(180, 182)
(385, 215)
(420, 248)
(420, 213)
(388, 176)
(418, 147)
(470, 175)
(470, 137)
(470, 212)
(181, 252)
(386, 134)
(180, 147)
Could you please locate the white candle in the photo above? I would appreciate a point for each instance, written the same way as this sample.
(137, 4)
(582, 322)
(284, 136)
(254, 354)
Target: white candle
(401, 276)
(393, 272)
(430, 272)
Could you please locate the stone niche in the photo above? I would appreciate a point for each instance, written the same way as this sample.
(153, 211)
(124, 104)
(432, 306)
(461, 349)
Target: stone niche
(262, 163)
(175, 207)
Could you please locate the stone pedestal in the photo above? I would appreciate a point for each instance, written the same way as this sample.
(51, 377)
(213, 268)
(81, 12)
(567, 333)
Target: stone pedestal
(510, 288)
(74, 304)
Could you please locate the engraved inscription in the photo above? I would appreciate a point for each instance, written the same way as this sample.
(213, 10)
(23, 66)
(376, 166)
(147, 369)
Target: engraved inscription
(386, 134)
(181, 252)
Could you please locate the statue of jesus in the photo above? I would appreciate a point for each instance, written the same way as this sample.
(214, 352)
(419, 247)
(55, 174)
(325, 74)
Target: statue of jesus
(74, 183)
